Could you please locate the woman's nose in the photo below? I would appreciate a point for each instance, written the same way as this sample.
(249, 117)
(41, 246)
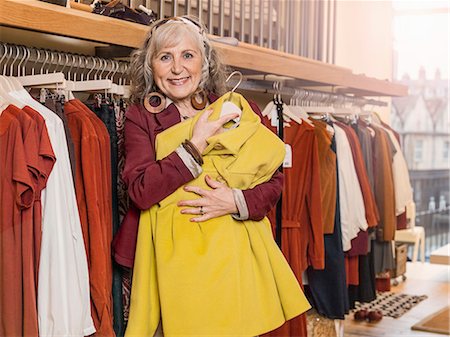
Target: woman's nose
(177, 66)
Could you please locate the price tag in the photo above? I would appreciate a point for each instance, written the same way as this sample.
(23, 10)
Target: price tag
(274, 118)
(287, 163)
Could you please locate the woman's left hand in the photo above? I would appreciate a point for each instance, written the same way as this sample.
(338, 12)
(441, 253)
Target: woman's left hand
(212, 203)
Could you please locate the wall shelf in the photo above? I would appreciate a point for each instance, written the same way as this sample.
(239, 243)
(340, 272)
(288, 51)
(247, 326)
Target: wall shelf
(43, 17)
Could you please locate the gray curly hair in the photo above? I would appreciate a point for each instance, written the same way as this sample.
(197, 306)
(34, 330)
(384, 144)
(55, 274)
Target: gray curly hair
(161, 35)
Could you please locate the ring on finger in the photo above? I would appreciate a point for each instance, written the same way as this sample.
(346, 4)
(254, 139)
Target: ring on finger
(201, 210)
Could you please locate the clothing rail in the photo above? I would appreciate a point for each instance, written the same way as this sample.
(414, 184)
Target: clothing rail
(18, 60)
(318, 97)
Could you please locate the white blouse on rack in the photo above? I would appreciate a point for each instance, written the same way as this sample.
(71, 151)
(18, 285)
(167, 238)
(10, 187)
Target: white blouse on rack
(351, 202)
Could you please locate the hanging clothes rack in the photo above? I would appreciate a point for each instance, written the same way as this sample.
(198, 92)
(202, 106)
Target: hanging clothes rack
(22, 61)
(318, 97)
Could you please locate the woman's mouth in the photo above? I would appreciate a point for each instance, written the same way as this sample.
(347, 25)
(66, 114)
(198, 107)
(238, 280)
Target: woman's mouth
(178, 81)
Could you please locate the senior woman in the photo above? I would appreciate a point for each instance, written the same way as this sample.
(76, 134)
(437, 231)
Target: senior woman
(204, 179)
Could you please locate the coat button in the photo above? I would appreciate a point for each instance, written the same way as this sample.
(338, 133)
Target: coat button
(218, 147)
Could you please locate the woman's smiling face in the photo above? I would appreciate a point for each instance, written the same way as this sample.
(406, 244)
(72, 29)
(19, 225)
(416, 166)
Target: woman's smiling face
(177, 69)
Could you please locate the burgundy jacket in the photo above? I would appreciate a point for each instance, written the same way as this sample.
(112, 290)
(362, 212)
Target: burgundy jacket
(149, 181)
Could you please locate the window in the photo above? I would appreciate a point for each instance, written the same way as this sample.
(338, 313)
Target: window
(418, 150)
(446, 151)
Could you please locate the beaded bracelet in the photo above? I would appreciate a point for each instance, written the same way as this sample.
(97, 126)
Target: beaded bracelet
(193, 151)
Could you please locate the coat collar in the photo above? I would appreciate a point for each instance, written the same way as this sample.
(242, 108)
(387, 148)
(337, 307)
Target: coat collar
(230, 141)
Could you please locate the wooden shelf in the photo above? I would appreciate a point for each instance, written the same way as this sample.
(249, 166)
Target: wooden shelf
(43, 17)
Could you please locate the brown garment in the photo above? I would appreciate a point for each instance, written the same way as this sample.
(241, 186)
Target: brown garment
(92, 194)
(384, 185)
(328, 181)
(16, 232)
(302, 241)
(57, 108)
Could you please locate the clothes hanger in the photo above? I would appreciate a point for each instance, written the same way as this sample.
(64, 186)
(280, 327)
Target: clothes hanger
(229, 106)
(297, 109)
(6, 86)
(4, 82)
(271, 108)
(97, 83)
(43, 79)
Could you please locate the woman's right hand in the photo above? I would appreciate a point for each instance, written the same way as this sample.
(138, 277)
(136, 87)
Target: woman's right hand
(204, 129)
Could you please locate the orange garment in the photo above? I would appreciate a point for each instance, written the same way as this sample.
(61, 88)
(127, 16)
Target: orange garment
(104, 140)
(352, 270)
(384, 185)
(29, 266)
(91, 196)
(370, 206)
(302, 241)
(18, 310)
(327, 160)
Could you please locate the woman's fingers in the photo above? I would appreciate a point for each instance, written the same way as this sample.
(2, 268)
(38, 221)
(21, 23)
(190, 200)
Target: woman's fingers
(195, 189)
(213, 183)
(226, 118)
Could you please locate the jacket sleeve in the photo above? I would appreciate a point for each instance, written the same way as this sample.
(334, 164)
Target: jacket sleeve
(149, 180)
(263, 197)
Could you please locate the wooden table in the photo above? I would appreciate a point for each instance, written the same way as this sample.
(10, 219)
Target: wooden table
(441, 255)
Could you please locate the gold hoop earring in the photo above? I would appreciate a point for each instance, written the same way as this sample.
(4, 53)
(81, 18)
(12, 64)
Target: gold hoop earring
(154, 102)
(199, 99)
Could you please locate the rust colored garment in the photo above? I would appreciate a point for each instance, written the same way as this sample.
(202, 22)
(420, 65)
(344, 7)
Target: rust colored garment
(352, 270)
(384, 185)
(29, 241)
(104, 140)
(302, 241)
(92, 194)
(327, 160)
(16, 263)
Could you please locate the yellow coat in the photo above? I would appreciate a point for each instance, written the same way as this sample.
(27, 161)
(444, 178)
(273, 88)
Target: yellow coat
(221, 277)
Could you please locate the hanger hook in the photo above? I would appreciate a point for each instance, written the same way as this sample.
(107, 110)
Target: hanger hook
(69, 72)
(110, 68)
(58, 61)
(103, 67)
(116, 67)
(51, 61)
(4, 55)
(27, 60)
(85, 64)
(19, 72)
(65, 63)
(236, 72)
(44, 62)
(94, 63)
(77, 59)
(14, 61)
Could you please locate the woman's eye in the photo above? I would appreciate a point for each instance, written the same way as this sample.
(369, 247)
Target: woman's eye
(188, 55)
(165, 57)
